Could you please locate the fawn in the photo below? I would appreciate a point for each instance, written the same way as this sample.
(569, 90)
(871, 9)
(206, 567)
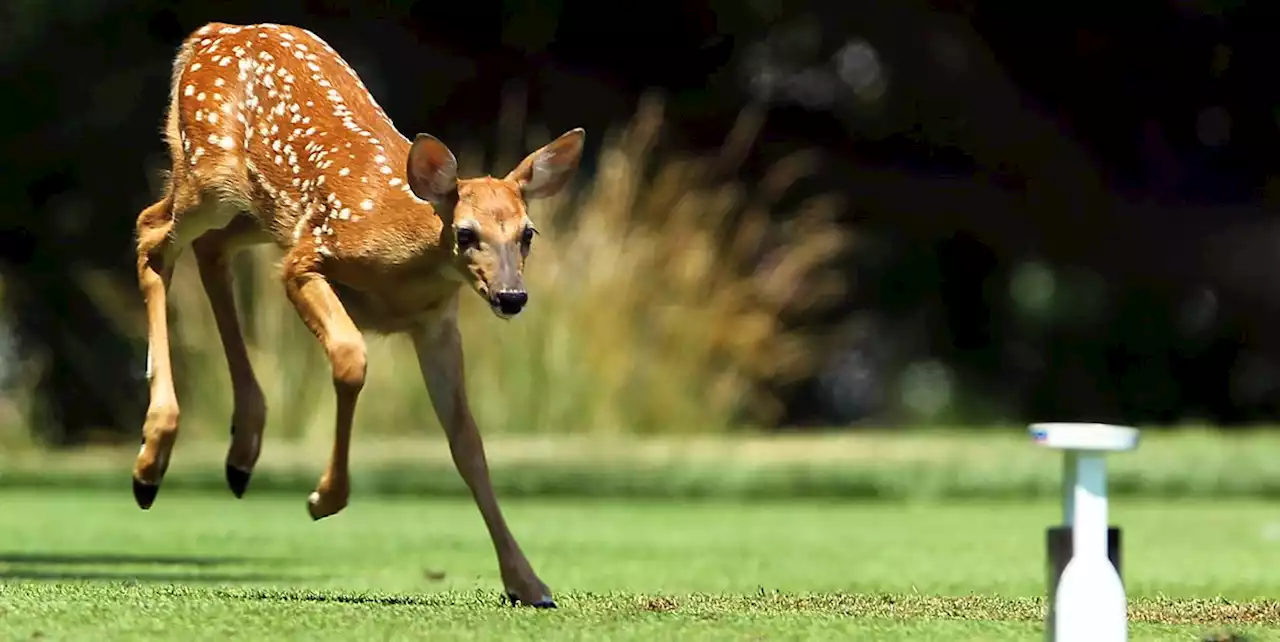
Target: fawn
(273, 138)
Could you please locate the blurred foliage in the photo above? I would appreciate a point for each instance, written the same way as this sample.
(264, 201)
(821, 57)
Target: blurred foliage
(1057, 215)
(658, 291)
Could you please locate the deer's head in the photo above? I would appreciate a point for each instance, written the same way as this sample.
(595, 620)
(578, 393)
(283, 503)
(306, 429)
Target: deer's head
(486, 219)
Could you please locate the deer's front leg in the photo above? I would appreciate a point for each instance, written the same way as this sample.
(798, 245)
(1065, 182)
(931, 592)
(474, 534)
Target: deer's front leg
(323, 313)
(439, 350)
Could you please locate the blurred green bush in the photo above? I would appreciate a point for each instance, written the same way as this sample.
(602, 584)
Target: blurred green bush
(657, 290)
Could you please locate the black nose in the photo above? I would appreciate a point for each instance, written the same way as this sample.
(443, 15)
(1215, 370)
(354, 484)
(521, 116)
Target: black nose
(510, 302)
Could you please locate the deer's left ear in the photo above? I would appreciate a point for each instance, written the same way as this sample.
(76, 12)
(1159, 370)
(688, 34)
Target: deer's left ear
(432, 169)
(547, 170)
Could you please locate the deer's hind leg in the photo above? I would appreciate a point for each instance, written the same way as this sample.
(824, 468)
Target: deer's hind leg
(212, 250)
(164, 230)
(157, 253)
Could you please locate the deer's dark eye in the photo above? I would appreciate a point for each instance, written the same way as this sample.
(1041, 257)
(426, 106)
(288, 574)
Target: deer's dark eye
(526, 237)
(467, 238)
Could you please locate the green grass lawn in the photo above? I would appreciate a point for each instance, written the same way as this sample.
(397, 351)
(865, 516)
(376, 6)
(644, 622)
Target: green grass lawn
(86, 565)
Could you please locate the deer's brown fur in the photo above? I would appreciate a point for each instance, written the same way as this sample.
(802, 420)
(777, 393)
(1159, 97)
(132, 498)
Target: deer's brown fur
(274, 139)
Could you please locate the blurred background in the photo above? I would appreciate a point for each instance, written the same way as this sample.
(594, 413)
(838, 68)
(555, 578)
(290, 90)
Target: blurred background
(791, 216)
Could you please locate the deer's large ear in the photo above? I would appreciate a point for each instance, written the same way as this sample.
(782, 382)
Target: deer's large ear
(547, 170)
(432, 169)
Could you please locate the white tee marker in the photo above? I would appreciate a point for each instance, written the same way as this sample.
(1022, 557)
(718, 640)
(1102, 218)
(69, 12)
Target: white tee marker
(1089, 601)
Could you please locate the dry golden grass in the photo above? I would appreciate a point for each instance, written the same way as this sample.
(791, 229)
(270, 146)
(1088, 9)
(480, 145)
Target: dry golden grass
(656, 290)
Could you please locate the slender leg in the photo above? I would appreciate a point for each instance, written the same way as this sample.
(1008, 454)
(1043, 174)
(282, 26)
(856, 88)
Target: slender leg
(321, 310)
(156, 256)
(212, 250)
(439, 351)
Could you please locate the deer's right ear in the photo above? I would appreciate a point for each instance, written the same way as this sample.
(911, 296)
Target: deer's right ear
(432, 169)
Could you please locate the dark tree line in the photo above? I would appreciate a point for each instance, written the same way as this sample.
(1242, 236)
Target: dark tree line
(1129, 154)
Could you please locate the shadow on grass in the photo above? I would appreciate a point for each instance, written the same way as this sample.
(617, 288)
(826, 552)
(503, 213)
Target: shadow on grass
(380, 600)
(433, 600)
(139, 576)
(44, 566)
(111, 559)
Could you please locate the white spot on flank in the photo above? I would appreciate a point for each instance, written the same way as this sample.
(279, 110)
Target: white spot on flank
(344, 214)
(227, 143)
(213, 138)
(200, 96)
(191, 89)
(344, 171)
(218, 82)
(393, 182)
(195, 66)
(366, 205)
(385, 169)
(213, 117)
(379, 159)
(199, 115)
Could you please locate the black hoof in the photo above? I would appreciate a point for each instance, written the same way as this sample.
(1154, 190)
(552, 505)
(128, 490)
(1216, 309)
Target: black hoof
(238, 480)
(540, 604)
(145, 494)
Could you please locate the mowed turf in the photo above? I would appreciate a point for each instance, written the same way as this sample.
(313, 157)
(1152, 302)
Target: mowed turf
(91, 566)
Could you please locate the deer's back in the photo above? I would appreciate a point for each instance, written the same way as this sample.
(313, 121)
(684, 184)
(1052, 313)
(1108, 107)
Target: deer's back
(270, 120)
